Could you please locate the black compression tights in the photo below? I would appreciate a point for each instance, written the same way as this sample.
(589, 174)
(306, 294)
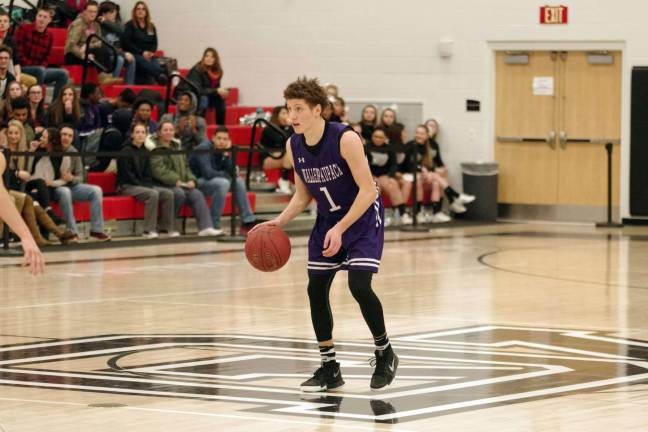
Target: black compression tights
(360, 286)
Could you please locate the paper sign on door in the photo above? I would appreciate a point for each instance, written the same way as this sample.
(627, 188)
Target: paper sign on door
(543, 86)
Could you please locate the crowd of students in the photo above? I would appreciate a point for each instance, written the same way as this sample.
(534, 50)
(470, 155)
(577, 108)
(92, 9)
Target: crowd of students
(84, 119)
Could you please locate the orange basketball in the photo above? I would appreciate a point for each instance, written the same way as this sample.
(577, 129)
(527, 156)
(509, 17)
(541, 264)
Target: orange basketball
(267, 248)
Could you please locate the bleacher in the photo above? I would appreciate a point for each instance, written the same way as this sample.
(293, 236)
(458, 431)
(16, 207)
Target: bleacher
(118, 207)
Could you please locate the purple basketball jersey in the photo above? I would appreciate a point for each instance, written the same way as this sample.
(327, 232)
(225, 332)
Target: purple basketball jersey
(326, 174)
(328, 179)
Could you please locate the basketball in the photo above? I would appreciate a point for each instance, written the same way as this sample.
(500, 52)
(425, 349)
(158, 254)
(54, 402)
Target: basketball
(267, 248)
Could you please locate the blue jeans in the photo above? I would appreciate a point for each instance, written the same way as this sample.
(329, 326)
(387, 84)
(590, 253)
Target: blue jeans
(217, 188)
(65, 195)
(44, 75)
(147, 69)
(130, 69)
(215, 101)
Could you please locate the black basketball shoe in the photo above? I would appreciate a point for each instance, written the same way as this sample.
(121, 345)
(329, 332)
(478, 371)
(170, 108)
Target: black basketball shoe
(386, 363)
(326, 377)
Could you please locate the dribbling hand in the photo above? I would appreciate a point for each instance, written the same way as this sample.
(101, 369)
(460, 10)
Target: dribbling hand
(271, 222)
(332, 242)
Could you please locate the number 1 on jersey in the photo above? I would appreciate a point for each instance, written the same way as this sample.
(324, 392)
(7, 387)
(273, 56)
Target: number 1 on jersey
(334, 207)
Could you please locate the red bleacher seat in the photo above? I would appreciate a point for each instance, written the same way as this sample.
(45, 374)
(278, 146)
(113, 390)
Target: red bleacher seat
(76, 74)
(183, 72)
(59, 35)
(106, 181)
(233, 97)
(112, 91)
(234, 113)
(57, 56)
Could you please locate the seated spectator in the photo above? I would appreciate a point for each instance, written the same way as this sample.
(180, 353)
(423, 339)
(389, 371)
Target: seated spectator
(5, 74)
(90, 120)
(6, 77)
(135, 179)
(213, 172)
(190, 128)
(124, 100)
(73, 189)
(395, 131)
(142, 112)
(368, 121)
(37, 113)
(274, 145)
(140, 39)
(13, 91)
(207, 75)
(65, 108)
(77, 38)
(327, 111)
(429, 159)
(20, 112)
(382, 162)
(7, 40)
(34, 45)
(331, 90)
(21, 179)
(112, 30)
(172, 171)
(339, 111)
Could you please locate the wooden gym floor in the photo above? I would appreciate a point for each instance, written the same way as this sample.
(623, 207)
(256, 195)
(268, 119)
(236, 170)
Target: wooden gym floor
(508, 327)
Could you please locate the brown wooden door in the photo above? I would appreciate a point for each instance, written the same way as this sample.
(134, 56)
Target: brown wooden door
(590, 116)
(550, 140)
(528, 164)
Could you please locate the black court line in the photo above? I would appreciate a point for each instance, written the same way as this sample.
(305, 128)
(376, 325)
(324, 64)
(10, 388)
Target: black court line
(482, 260)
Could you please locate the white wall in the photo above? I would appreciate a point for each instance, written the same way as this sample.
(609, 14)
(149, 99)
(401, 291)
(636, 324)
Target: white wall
(387, 50)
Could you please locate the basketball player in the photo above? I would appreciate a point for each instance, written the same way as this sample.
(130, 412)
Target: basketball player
(9, 214)
(348, 234)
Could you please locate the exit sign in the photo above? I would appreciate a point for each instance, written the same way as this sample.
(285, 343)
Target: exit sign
(553, 15)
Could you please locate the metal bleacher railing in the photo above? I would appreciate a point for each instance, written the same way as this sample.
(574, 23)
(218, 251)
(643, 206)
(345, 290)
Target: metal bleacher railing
(87, 61)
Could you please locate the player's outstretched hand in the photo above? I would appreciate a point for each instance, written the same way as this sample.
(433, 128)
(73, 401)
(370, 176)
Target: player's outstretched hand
(33, 257)
(271, 222)
(332, 242)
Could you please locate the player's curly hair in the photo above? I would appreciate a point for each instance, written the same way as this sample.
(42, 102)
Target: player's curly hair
(309, 90)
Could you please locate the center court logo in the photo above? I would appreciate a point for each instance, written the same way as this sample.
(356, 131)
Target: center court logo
(441, 372)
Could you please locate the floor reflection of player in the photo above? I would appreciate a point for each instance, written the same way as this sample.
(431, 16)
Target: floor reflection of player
(331, 167)
(8, 213)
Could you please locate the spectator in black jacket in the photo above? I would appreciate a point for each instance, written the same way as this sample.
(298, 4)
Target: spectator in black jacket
(274, 145)
(140, 39)
(382, 162)
(207, 75)
(5, 76)
(134, 178)
(368, 121)
(113, 30)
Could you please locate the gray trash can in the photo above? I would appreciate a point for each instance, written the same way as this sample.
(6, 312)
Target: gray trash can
(480, 179)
